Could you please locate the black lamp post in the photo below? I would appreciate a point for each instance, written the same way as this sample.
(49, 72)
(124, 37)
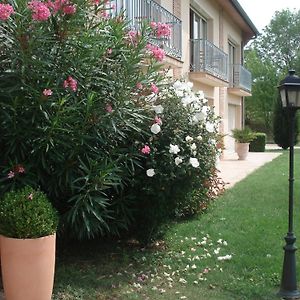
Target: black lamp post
(289, 89)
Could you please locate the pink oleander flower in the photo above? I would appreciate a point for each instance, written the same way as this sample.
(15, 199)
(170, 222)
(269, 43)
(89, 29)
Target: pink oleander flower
(30, 196)
(5, 11)
(11, 174)
(163, 30)
(105, 14)
(139, 86)
(69, 9)
(47, 92)
(154, 88)
(108, 108)
(19, 169)
(96, 2)
(158, 53)
(132, 34)
(66, 6)
(71, 83)
(146, 149)
(158, 120)
(109, 51)
(153, 25)
(40, 11)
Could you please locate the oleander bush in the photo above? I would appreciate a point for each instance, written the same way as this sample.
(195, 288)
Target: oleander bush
(81, 95)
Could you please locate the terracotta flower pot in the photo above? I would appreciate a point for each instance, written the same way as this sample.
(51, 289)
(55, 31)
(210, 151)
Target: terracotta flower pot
(28, 267)
(242, 150)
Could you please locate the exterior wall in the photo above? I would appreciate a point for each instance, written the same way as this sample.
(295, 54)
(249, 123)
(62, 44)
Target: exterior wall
(221, 28)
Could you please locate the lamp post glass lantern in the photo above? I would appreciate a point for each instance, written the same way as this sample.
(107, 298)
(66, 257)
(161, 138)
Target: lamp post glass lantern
(289, 89)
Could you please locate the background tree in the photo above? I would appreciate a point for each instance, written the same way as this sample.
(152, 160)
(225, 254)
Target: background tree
(269, 58)
(260, 105)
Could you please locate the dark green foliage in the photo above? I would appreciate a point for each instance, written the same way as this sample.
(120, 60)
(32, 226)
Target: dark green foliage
(27, 213)
(82, 147)
(175, 190)
(76, 145)
(281, 126)
(259, 143)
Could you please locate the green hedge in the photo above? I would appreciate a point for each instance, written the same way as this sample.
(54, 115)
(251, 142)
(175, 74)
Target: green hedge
(259, 143)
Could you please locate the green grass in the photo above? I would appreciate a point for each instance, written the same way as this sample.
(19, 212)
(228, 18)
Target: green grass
(251, 218)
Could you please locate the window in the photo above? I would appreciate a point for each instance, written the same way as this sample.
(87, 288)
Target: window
(231, 60)
(198, 33)
(198, 26)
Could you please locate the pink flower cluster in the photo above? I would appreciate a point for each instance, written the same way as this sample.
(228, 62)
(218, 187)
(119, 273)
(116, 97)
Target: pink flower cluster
(154, 88)
(64, 5)
(161, 29)
(157, 120)
(109, 108)
(5, 11)
(40, 11)
(146, 149)
(47, 92)
(18, 169)
(139, 86)
(158, 53)
(71, 83)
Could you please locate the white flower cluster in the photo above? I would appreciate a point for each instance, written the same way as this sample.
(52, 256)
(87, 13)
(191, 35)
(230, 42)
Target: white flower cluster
(196, 103)
(199, 111)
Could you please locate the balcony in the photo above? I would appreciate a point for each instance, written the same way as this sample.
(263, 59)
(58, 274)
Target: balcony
(209, 64)
(240, 81)
(139, 10)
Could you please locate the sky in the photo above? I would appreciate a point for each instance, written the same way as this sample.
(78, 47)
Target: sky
(262, 11)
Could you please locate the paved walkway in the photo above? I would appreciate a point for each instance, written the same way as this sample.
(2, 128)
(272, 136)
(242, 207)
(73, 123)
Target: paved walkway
(233, 170)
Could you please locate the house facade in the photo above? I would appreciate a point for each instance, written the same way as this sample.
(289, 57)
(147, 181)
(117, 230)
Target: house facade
(206, 47)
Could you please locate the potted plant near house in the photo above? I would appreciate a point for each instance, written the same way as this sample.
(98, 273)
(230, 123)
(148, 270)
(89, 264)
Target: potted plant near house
(28, 224)
(242, 138)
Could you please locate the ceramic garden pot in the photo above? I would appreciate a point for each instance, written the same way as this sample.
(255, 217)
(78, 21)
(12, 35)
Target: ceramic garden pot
(28, 267)
(242, 150)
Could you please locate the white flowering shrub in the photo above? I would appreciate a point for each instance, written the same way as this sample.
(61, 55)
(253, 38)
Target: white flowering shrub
(179, 155)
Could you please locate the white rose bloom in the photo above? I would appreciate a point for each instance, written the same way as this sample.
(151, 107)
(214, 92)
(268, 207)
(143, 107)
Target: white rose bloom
(177, 85)
(200, 94)
(210, 127)
(199, 138)
(179, 93)
(174, 149)
(150, 172)
(178, 161)
(186, 100)
(193, 146)
(158, 109)
(188, 139)
(194, 162)
(205, 109)
(155, 128)
(199, 116)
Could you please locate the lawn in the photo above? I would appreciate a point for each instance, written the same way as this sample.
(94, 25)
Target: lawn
(233, 251)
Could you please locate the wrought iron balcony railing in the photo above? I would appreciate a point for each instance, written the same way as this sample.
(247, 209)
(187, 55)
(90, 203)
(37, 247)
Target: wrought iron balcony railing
(240, 77)
(206, 57)
(139, 10)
